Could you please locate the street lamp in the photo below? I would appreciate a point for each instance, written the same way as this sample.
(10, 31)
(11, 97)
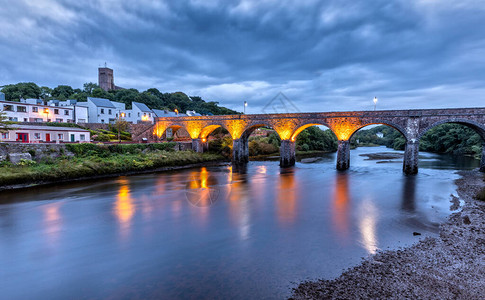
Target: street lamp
(245, 105)
(375, 103)
(46, 111)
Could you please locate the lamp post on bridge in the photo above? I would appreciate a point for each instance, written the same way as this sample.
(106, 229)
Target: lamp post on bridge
(245, 105)
(375, 103)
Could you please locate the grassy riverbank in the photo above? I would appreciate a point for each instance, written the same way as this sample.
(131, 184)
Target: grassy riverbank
(446, 267)
(96, 161)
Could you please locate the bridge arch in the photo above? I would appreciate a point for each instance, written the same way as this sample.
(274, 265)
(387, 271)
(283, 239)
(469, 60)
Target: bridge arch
(399, 128)
(160, 129)
(477, 127)
(207, 130)
(252, 127)
(304, 126)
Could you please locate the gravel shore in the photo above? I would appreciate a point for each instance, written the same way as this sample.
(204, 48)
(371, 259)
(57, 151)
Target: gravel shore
(451, 266)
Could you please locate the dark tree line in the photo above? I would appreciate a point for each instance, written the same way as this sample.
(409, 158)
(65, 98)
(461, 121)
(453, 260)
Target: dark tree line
(446, 138)
(153, 98)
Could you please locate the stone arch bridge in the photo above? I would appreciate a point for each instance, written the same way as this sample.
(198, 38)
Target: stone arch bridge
(412, 124)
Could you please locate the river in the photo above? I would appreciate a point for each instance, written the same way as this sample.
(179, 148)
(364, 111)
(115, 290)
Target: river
(215, 232)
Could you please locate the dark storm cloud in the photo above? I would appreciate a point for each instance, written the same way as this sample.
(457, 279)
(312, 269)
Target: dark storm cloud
(322, 54)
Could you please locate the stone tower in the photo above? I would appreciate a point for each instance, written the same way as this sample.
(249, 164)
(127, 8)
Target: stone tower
(106, 79)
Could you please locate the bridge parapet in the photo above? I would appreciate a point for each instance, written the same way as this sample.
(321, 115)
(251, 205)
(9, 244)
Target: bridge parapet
(412, 124)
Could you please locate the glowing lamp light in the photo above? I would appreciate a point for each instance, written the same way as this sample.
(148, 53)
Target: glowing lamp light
(176, 111)
(123, 115)
(46, 110)
(144, 118)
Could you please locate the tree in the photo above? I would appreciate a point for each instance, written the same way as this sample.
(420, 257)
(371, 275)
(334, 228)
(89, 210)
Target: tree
(45, 92)
(88, 87)
(62, 92)
(13, 92)
(4, 122)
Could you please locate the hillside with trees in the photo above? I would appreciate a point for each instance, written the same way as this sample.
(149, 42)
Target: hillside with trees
(153, 98)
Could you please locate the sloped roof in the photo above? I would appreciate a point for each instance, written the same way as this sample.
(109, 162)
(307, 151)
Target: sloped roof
(141, 106)
(164, 113)
(101, 102)
(44, 127)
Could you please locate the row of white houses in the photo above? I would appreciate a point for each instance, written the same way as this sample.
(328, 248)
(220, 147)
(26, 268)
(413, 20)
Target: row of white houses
(94, 110)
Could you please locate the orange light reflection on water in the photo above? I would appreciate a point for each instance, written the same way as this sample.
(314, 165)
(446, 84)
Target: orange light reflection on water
(287, 198)
(340, 206)
(124, 208)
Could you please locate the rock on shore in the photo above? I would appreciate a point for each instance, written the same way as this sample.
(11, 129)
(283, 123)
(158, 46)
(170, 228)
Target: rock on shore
(451, 266)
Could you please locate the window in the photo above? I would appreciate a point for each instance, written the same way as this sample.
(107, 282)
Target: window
(144, 114)
(81, 120)
(60, 136)
(129, 115)
(82, 137)
(102, 110)
(4, 135)
(138, 114)
(59, 120)
(102, 121)
(35, 109)
(56, 111)
(37, 136)
(109, 111)
(38, 120)
(7, 107)
(21, 109)
(15, 119)
(66, 112)
(25, 119)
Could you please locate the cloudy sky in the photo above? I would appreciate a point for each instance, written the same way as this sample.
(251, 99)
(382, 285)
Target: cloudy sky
(323, 55)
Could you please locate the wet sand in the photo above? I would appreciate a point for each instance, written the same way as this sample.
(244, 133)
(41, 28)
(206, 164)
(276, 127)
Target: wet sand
(451, 266)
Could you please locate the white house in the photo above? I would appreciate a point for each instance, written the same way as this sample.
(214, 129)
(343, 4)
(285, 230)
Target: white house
(80, 112)
(35, 110)
(102, 110)
(2, 96)
(139, 112)
(45, 134)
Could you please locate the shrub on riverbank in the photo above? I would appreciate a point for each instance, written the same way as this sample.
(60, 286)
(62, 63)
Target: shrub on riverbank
(91, 164)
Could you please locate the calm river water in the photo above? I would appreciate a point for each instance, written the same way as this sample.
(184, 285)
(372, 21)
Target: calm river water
(212, 232)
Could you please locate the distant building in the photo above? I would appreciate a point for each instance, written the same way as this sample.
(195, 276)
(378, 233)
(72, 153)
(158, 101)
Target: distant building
(139, 112)
(35, 110)
(106, 79)
(102, 110)
(2, 96)
(45, 134)
(380, 135)
(80, 112)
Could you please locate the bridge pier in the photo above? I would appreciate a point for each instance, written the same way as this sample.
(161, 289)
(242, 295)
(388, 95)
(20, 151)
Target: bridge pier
(240, 151)
(343, 155)
(200, 145)
(482, 161)
(287, 153)
(411, 153)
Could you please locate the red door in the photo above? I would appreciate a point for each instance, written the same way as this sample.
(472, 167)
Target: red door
(47, 137)
(23, 137)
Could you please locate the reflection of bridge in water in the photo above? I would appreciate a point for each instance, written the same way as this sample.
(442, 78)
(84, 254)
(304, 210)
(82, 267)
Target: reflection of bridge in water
(412, 124)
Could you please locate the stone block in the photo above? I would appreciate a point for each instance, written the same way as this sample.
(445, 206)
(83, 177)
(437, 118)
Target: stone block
(16, 157)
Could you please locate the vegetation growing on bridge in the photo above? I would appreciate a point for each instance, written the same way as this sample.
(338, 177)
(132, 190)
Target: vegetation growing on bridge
(152, 97)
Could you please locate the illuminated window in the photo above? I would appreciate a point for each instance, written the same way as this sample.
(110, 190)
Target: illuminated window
(21, 109)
